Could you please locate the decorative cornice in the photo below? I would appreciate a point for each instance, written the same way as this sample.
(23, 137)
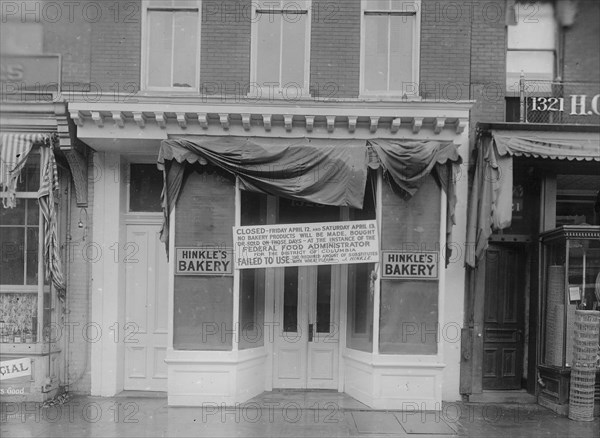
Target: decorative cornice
(318, 119)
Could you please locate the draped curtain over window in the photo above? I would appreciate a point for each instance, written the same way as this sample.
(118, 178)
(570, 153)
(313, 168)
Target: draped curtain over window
(330, 172)
(14, 151)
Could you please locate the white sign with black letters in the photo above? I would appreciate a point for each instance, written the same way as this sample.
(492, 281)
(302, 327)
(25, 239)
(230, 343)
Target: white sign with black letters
(409, 265)
(203, 261)
(324, 243)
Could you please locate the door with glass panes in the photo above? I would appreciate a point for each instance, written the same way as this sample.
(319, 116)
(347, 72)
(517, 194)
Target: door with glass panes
(306, 331)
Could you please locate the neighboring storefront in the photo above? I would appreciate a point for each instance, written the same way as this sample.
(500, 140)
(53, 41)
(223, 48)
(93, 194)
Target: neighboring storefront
(36, 144)
(530, 179)
(307, 248)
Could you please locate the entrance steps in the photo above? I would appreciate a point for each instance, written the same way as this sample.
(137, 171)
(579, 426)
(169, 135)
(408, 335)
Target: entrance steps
(514, 396)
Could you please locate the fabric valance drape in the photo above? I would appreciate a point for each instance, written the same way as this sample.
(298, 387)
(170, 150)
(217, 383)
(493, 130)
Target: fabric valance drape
(14, 151)
(490, 206)
(330, 172)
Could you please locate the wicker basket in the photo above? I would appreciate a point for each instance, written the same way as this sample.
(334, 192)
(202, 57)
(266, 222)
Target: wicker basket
(583, 372)
(581, 394)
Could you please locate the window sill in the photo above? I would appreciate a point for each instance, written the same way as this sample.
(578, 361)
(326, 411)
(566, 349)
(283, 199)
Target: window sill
(38, 348)
(395, 97)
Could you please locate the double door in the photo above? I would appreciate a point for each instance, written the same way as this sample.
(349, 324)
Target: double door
(306, 327)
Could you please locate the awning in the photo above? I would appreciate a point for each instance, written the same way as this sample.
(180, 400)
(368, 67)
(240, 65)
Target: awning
(554, 145)
(330, 172)
(490, 206)
(14, 151)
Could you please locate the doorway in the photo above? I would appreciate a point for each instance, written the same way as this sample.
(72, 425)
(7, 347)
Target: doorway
(306, 311)
(504, 317)
(306, 329)
(146, 303)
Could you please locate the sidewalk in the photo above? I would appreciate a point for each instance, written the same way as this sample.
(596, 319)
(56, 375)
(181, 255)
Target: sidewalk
(282, 414)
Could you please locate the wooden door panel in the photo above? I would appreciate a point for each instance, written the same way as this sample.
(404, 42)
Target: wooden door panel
(504, 318)
(146, 294)
(300, 360)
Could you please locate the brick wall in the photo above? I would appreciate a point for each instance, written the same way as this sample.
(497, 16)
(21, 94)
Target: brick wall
(70, 37)
(225, 47)
(582, 61)
(335, 48)
(116, 46)
(488, 62)
(445, 50)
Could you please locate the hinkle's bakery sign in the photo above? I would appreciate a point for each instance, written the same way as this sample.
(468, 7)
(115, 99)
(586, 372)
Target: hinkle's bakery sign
(409, 265)
(203, 261)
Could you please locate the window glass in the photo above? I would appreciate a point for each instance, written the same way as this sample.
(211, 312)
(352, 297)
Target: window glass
(376, 52)
(323, 299)
(389, 46)
(203, 305)
(19, 317)
(293, 42)
(576, 197)
(12, 242)
(296, 212)
(280, 60)
(172, 48)
(31, 258)
(159, 51)
(185, 32)
(409, 308)
(268, 48)
(19, 231)
(290, 299)
(359, 333)
(145, 188)
(252, 281)
(401, 43)
(531, 43)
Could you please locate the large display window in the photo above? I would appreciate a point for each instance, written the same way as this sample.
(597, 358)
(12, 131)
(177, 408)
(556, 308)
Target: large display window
(570, 281)
(25, 298)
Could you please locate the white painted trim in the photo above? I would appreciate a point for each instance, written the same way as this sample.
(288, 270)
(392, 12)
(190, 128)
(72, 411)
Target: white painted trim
(171, 299)
(236, 274)
(416, 51)
(166, 4)
(377, 288)
(442, 276)
(279, 93)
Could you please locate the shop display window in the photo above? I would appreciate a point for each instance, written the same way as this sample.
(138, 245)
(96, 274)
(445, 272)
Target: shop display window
(252, 281)
(408, 321)
(361, 283)
(25, 297)
(571, 281)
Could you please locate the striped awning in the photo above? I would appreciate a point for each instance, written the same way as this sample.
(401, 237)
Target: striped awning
(14, 151)
(578, 146)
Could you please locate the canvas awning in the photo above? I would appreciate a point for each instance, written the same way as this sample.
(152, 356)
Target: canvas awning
(15, 149)
(490, 206)
(554, 145)
(330, 172)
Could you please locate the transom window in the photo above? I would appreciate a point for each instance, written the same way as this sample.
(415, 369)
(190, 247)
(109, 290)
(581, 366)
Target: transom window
(171, 45)
(280, 49)
(390, 47)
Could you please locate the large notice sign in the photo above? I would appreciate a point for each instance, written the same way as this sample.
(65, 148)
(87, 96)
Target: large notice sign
(203, 261)
(324, 243)
(409, 265)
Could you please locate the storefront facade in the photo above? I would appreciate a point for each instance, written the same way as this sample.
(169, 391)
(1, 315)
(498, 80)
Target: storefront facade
(533, 182)
(218, 327)
(40, 157)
